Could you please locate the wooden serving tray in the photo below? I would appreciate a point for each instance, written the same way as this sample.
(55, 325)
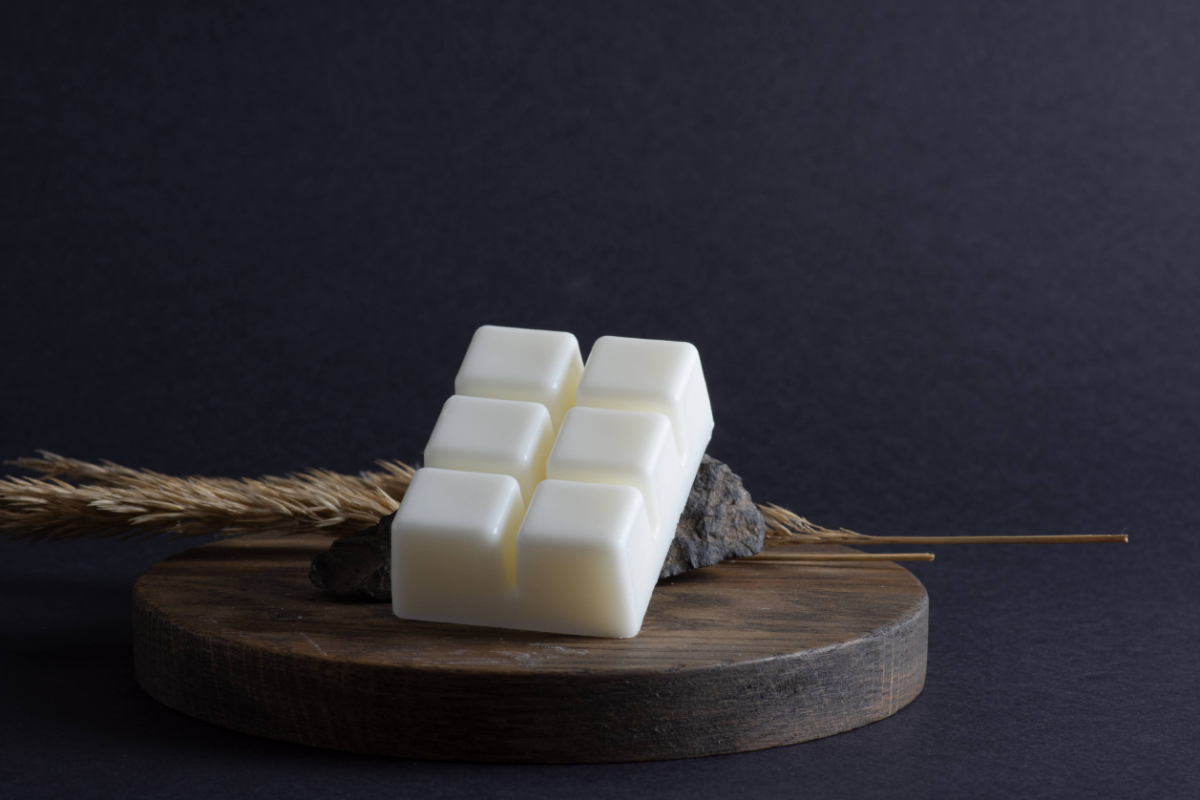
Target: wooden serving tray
(730, 658)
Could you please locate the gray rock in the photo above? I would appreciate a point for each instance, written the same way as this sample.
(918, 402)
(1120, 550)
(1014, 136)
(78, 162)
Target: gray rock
(720, 521)
(357, 566)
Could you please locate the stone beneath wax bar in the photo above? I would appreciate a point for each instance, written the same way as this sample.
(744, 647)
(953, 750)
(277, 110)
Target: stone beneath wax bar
(506, 437)
(720, 521)
(357, 566)
(518, 364)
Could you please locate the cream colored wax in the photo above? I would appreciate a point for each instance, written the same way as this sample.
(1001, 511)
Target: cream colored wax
(551, 490)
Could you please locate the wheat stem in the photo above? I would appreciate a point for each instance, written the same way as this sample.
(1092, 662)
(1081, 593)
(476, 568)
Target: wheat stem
(111, 500)
(74, 499)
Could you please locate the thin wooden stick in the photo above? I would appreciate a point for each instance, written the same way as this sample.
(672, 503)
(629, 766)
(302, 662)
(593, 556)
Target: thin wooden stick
(788, 527)
(1081, 538)
(799, 558)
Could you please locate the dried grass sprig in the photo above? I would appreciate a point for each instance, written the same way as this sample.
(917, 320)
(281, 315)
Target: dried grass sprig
(112, 500)
(788, 527)
(107, 499)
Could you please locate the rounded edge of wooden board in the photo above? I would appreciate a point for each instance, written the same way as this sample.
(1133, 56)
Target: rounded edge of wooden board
(234, 673)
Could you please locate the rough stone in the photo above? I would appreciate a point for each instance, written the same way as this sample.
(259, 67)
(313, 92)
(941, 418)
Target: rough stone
(357, 566)
(720, 521)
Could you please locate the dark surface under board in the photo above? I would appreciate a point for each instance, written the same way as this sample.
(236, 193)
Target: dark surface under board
(939, 259)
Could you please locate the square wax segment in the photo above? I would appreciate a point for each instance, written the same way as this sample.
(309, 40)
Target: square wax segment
(480, 434)
(454, 545)
(518, 364)
(628, 448)
(651, 375)
(583, 553)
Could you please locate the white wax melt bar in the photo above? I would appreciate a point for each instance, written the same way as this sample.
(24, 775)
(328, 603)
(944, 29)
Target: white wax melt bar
(627, 448)
(457, 553)
(480, 434)
(518, 364)
(582, 554)
(655, 376)
(511, 526)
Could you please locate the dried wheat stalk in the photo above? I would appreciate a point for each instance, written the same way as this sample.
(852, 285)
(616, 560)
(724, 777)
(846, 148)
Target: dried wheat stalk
(74, 499)
(111, 500)
(787, 527)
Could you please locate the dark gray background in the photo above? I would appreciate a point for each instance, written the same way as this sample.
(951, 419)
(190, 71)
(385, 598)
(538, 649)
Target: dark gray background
(940, 261)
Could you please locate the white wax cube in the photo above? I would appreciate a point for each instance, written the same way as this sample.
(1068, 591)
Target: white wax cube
(583, 556)
(481, 434)
(651, 375)
(518, 364)
(629, 448)
(454, 546)
(596, 505)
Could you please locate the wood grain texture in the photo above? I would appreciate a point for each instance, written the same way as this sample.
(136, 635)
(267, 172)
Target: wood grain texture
(731, 658)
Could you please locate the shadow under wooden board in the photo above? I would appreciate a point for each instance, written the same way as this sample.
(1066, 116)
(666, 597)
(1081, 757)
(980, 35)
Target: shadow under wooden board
(730, 658)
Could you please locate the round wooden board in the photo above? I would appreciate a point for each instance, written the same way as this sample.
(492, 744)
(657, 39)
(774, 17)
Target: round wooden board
(730, 658)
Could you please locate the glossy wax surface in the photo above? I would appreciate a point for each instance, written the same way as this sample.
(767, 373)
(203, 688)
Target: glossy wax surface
(510, 526)
(507, 437)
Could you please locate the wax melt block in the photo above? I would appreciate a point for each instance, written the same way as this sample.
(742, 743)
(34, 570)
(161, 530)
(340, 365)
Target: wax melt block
(629, 448)
(454, 546)
(603, 457)
(480, 434)
(583, 553)
(518, 364)
(651, 375)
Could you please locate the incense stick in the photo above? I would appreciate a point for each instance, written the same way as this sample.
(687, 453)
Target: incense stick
(800, 558)
(788, 527)
(1081, 538)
